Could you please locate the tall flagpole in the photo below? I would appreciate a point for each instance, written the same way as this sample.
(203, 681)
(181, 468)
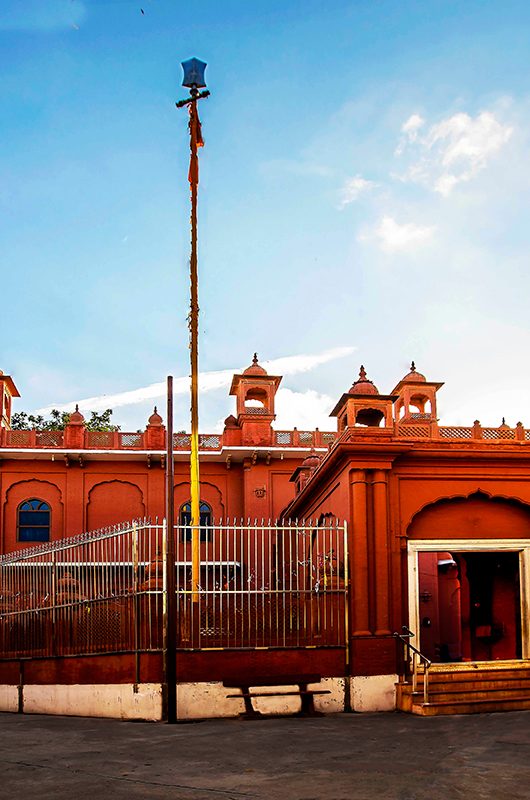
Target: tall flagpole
(194, 79)
(194, 358)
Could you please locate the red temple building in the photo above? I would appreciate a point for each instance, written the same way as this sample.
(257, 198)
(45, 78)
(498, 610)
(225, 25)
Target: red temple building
(408, 582)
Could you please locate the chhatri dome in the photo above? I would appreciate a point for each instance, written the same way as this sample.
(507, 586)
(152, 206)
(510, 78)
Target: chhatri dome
(363, 385)
(413, 375)
(255, 368)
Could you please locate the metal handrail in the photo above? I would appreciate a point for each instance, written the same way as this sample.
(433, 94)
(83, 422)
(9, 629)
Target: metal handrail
(405, 637)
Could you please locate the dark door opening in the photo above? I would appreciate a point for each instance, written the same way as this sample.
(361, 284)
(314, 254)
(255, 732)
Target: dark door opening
(469, 606)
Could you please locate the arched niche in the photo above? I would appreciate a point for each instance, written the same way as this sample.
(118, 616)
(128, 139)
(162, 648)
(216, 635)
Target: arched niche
(477, 516)
(113, 502)
(209, 494)
(46, 491)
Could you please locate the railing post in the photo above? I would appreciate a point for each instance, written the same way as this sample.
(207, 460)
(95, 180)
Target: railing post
(54, 601)
(136, 606)
(477, 430)
(170, 621)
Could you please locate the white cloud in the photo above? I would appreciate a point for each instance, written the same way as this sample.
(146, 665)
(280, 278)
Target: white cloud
(352, 188)
(304, 410)
(208, 382)
(393, 236)
(453, 150)
(409, 129)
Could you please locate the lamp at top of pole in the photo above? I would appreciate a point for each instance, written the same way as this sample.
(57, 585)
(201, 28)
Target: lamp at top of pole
(193, 80)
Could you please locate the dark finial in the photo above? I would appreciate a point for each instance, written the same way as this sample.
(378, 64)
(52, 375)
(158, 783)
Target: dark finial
(77, 408)
(255, 359)
(503, 421)
(413, 367)
(155, 410)
(362, 373)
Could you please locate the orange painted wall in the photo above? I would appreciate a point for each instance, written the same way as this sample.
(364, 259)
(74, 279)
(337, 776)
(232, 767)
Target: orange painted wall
(102, 493)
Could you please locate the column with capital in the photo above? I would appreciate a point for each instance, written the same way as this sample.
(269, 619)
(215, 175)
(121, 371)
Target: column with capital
(359, 555)
(380, 494)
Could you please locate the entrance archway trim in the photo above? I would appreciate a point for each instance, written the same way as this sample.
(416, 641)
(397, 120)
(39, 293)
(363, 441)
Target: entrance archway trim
(521, 546)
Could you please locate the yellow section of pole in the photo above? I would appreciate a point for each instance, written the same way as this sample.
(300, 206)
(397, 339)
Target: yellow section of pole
(194, 360)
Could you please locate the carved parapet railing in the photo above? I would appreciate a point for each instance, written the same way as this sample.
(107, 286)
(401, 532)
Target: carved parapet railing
(296, 438)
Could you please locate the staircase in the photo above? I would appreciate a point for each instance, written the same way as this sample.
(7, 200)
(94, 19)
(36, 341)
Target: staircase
(467, 688)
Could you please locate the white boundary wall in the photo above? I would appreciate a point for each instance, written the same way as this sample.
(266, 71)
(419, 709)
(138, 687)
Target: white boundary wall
(201, 700)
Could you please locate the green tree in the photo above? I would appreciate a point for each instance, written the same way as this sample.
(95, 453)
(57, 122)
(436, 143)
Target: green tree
(22, 421)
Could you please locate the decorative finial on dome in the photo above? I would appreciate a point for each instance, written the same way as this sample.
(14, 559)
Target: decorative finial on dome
(155, 418)
(362, 373)
(77, 408)
(503, 421)
(255, 359)
(412, 366)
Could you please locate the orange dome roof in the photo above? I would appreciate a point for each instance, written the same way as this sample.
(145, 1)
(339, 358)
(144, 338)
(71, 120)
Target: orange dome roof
(413, 375)
(76, 418)
(363, 385)
(312, 459)
(155, 418)
(255, 368)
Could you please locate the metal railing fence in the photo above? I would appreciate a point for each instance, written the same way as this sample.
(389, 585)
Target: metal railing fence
(261, 585)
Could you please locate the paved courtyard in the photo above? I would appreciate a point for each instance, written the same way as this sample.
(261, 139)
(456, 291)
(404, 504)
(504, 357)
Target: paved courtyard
(343, 757)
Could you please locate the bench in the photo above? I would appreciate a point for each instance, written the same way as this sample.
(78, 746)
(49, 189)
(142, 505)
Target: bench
(301, 681)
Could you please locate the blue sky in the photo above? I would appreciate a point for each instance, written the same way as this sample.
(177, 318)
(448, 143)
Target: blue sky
(364, 184)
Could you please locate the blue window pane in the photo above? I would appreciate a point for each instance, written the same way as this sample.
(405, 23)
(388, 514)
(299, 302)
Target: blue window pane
(34, 518)
(205, 521)
(27, 534)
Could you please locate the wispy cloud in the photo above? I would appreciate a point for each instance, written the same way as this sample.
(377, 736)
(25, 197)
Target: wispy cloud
(393, 236)
(353, 187)
(208, 382)
(304, 410)
(41, 15)
(451, 151)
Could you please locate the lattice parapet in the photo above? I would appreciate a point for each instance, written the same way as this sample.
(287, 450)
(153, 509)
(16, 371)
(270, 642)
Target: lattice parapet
(100, 440)
(414, 431)
(307, 438)
(18, 438)
(119, 440)
(131, 440)
(498, 433)
(181, 441)
(210, 441)
(49, 438)
(455, 433)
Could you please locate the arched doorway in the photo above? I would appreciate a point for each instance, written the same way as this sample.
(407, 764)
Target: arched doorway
(468, 572)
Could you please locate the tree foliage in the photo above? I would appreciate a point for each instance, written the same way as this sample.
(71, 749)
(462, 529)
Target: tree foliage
(21, 421)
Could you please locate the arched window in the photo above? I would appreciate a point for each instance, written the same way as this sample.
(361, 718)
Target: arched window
(205, 521)
(33, 521)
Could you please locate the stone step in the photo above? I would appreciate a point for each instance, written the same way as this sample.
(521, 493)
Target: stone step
(499, 693)
(477, 684)
(473, 707)
(489, 675)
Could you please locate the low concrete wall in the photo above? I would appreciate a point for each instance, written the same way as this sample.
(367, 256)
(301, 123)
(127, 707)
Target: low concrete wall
(198, 700)
(195, 700)
(118, 701)
(8, 698)
(373, 692)
(206, 700)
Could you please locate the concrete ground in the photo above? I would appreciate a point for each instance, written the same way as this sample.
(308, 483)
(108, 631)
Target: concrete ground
(343, 757)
